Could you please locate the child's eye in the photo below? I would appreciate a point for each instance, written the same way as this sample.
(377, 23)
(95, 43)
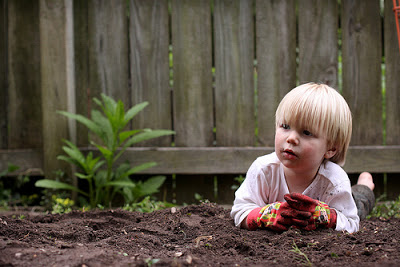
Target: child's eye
(285, 126)
(307, 133)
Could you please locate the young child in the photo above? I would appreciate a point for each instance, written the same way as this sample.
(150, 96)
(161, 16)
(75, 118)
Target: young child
(302, 184)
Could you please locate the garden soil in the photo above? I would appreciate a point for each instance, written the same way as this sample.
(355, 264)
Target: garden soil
(196, 235)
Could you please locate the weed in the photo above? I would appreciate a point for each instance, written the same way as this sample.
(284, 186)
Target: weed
(147, 205)
(61, 205)
(105, 180)
(301, 256)
(386, 209)
(12, 196)
(239, 181)
(334, 255)
(151, 261)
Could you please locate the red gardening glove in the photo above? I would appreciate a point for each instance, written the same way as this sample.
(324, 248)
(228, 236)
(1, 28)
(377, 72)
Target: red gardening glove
(322, 215)
(277, 216)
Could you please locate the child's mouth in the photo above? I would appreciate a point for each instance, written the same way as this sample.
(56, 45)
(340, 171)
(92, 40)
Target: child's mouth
(289, 153)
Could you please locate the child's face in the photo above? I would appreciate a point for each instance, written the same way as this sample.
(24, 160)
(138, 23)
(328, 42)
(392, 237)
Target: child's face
(300, 149)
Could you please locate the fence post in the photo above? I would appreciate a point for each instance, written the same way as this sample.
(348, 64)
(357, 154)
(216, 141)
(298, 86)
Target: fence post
(276, 61)
(392, 59)
(57, 77)
(3, 73)
(24, 92)
(361, 52)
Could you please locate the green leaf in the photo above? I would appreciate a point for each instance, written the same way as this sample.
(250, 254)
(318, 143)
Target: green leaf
(124, 183)
(10, 168)
(82, 176)
(98, 165)
(106, 132)
(75, 154)
(46, 183)
(141, 167)
(151, 185)
(136, 169)
(100, 179)
(82, 119)
(146, 136)
(69, 160)
(135, 110)
(103, 150)
(125, 135)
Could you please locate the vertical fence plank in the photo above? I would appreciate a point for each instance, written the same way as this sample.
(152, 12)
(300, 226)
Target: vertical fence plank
(24, 79)
(362, 50)
(234, 72)
(193, 100)
(187, 186)
(392, 59)
(318, 42)
(149, 41)
(82, 94)
(276, 60)
(54, 80)
(3, 73)
(108, 49)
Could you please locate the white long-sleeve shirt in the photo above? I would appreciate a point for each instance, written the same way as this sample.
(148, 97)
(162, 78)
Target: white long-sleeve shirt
(265, 183)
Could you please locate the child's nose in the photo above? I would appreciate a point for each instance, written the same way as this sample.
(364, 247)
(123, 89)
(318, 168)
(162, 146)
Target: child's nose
(293, 138)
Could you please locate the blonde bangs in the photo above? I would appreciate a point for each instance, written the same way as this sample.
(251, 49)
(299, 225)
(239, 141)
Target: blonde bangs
(320, 110)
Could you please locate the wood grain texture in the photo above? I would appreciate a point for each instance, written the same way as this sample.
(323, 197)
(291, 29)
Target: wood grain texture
(218, 160)
(54, 85)
(108, 49)
(234, 73)
(149, 42)
(24, 128)
(276, 61)
(83, 95)
(362, 51)
(318, 42)
(192, 88)
(392, 77)
(3, 72)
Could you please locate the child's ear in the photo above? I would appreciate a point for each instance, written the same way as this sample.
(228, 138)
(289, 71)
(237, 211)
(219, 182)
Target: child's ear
(330, 153)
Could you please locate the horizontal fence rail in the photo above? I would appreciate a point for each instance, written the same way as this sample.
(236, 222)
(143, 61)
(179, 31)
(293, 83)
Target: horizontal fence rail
(212, 71)
(213, 160)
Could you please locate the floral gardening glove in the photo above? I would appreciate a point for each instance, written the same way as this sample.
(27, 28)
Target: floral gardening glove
(322, 215)
(277, 216)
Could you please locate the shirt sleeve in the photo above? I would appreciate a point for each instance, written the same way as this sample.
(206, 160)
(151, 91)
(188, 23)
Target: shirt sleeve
(339, 197)
(261, 186)
(346, 210)
(248, 196)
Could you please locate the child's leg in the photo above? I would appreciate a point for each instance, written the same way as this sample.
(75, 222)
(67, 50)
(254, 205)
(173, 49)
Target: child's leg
(363, 194)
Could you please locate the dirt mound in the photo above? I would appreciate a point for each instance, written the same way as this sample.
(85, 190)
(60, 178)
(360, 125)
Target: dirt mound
(198, 235)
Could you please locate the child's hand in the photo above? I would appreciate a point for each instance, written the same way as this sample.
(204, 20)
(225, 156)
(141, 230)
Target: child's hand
(278, 216)
(322, 215)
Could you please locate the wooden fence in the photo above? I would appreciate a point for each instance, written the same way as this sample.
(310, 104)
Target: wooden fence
(213, 71)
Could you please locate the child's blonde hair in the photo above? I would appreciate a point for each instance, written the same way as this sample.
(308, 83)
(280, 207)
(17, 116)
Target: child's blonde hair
(319, 109)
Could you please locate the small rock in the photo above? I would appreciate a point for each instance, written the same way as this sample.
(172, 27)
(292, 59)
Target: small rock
(178, 254)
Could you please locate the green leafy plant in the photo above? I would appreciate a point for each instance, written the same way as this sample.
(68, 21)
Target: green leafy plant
(11, 195)
(61, 205)
(386, 209)
(109, 135)
(5, 193)
(147, 205)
